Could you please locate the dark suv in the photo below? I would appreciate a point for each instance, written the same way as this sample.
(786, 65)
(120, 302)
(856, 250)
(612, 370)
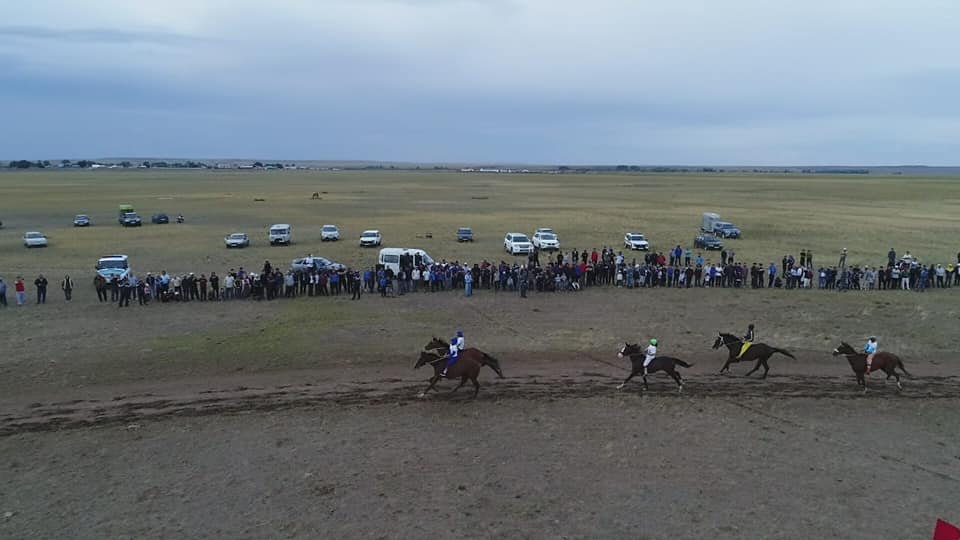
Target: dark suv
(464, 234)
(707, 241)
(160, 219)
(130, 219)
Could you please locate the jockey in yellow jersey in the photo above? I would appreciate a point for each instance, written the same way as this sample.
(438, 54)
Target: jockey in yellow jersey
(747, 341)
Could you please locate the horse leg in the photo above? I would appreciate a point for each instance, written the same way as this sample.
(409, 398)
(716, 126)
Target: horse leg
(645, 385)
(463, 381)
(433, 381)
(476, 386)
(625, 381)
(893, 372)
(726, 365)
(756, 367)
(676, 376)
(766, 368)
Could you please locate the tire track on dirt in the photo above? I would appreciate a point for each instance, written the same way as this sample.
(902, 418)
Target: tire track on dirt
(133, 409)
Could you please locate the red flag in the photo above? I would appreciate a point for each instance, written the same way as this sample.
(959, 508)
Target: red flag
(945, 531)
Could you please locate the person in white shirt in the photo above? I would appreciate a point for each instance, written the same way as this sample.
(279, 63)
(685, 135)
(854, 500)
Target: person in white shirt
(459, 341)
(651, 353)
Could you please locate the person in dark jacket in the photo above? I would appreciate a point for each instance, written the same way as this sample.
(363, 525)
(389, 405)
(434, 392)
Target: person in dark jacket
(41, 284)
(747, 341)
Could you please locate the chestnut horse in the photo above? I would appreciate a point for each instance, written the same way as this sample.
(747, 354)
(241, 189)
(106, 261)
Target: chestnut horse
(466, 367)
(761, 352)
(667, 364)
(882, 361)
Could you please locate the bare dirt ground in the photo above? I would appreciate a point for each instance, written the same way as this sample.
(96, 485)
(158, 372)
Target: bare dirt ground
(224, 427)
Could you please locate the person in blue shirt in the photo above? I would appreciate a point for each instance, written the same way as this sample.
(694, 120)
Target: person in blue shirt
(772, 271)
(871, 349)
(452, 355)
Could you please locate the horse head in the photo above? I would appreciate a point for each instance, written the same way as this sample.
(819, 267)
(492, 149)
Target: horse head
(628, 349)
(426, 358)
(844, 348)
(436, 343)
(724, 339)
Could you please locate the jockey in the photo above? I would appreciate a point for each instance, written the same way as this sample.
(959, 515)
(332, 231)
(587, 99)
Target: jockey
(452, 356)
(459, 340)
(871, 349)
(747, 341)
(651, 353)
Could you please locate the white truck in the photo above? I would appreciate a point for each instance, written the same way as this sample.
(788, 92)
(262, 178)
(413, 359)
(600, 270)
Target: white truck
(709, 219)
(394, 258)
(281, 233)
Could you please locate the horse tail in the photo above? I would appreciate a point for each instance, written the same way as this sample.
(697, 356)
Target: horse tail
(681, 363)
(903, 369)
(783, 352)
(492, 363)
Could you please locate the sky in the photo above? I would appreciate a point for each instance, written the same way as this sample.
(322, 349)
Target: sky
(692, 82)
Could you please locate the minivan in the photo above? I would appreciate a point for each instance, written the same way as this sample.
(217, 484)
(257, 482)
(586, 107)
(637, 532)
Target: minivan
(281, 233)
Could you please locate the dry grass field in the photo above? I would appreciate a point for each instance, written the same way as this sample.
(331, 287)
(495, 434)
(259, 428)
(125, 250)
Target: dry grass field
(298, 418)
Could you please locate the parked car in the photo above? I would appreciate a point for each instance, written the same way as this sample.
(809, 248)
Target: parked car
(280, 233)
(370, 238)
(636, 241)
(81, 220)
(237, 240)
(113, 266)
(707, 241)
(160, 219)
(396, 258)
(726, 230)
(464, 234)
(546, 241)
(130, 219)
(318, 263)
(517, 243)
(34, 239)
(329, 232)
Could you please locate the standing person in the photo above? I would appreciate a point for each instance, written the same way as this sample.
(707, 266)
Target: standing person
(3, 293)
(21, 289)
(844, 278)
(203, 287)
(687, 255)
(124, 293)
(809, 258)
(100, 284)
(891, 257)
(114, 288)
(525, 277)
(357, 286)
(214, 286)
(41, 284)
(67, 286)
(468, 284)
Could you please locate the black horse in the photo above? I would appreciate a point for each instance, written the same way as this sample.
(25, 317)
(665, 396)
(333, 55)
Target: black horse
(667, 364)
(761, 352)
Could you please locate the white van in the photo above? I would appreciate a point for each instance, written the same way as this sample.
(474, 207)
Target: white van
(281, 233)
(394, 258)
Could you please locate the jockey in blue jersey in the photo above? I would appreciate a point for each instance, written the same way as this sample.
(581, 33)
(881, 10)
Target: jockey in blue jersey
(459, 340)
(452, 356)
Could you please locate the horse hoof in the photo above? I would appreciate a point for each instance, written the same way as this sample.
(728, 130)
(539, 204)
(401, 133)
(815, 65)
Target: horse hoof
(422, 395)
(899, 386)
(620, 387)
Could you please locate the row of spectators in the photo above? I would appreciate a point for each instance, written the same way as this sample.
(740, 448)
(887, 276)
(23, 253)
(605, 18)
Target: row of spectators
(565, 272)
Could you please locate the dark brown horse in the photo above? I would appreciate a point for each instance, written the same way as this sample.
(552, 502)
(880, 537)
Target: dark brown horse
(761, 352)
(466, 367)
(666, 364)
(882, 361)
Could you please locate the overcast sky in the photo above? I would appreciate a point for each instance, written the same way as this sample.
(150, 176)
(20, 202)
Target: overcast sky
(534, 81)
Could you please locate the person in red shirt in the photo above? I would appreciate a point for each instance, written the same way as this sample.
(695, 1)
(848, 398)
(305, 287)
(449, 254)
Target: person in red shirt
(21, 291)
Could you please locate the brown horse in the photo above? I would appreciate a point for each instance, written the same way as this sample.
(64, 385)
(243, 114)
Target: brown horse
(466, 367)
(882, 361)
(761, 352)
(667, 364)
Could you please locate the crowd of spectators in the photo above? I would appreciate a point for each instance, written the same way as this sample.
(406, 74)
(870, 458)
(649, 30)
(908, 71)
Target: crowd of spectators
(561, 272)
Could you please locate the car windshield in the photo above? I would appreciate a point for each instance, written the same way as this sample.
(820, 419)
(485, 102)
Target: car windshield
(81, 216)
(238, 236)
(520, 238)
(33, 235)
(544, 230)
(278, 231)
(726, 226)
(548, 236)
(369, 234)
(464, 230)
(637, 237)
(111, 264)
(329, 228)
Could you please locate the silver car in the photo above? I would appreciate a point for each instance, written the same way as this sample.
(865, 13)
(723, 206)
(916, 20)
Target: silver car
(237, 240)
(34, 239)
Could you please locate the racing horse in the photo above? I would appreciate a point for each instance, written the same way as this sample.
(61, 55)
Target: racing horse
(761, 352)
(467, 367)
(882, 361)
(667, 364)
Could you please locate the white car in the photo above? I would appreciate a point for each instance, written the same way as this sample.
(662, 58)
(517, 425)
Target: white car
(281, 233)
(546, 230)
(237, 240)
(329, 232)
(34, 239)
(517, 243)
(633, 240)
(370, 238)
(546, 241)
